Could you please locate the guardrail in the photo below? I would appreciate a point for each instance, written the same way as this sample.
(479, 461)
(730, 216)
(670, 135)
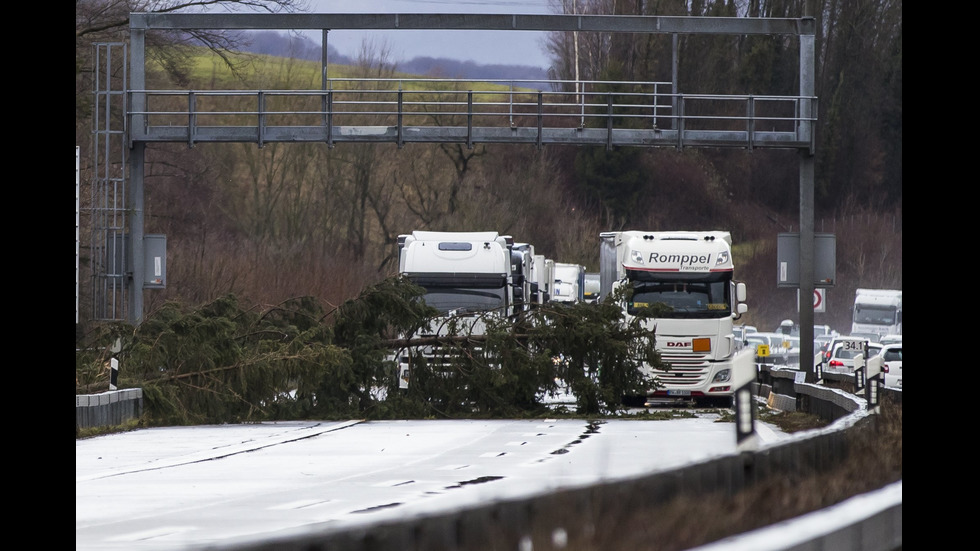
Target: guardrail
(108, 409)
(510, 111)
(566, 519)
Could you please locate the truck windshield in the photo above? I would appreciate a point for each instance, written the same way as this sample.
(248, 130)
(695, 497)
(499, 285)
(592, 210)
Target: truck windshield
(706, 296)
(463, 292)
(464, 300)
(874, 315)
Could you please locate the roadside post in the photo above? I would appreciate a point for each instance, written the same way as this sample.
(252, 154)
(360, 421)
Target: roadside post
(744, 375)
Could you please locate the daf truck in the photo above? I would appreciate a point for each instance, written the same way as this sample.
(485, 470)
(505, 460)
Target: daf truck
(691, 273)
(877, 312)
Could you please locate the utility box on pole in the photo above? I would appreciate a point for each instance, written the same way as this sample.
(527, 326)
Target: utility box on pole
(788, 260)
(155, 261)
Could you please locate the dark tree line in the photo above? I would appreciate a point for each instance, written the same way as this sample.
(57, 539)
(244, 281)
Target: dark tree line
(858, 80)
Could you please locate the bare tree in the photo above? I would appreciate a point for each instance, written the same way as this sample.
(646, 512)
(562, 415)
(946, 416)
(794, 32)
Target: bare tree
(95, 18)
(108, 21)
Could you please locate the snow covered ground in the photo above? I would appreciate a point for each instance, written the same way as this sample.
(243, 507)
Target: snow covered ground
(188, 487)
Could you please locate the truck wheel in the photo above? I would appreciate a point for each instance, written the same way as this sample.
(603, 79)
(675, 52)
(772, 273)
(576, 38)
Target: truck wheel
(634, 401)
(715, 402)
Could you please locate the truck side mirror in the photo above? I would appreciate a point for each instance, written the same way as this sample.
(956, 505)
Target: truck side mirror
(740, 292)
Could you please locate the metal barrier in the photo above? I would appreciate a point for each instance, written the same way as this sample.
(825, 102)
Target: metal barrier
(108, 409)
(566, 519)
(467, 111)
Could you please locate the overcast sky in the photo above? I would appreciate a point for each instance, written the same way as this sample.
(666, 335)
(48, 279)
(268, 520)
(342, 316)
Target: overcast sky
(483, 47)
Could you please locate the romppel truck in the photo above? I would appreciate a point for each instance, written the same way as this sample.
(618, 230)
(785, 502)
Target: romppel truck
(878, 312)
(693, 274)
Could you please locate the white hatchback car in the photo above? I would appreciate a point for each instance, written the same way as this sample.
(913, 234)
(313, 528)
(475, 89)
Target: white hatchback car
(891, 339)
(891, 366)
(842, 356)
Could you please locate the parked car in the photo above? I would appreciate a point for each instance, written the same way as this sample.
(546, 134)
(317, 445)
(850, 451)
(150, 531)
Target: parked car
(891, 366)
(891, 339)
(842, 356)
(823, 330)
(791, 348)
(827, 348)
(788, 327)
(779, 345)
(756, 339)
(821, 344)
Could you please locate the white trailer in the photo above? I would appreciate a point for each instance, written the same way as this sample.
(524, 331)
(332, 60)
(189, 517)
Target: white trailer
(542, 278)
(569, 283)
(877, 312)
(592, 286)
(691, 273)
(533, 275)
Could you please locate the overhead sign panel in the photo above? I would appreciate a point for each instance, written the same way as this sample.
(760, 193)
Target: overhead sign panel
(788, 260)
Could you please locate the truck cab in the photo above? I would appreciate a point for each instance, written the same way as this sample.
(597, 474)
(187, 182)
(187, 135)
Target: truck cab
(877, 312)
(460, 271)
(469, 277)
(691, 273)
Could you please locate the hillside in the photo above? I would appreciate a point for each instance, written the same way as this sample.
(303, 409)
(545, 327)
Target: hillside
(299, 47)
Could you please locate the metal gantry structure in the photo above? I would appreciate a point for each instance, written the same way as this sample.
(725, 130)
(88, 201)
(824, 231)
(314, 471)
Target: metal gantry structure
(405, 111)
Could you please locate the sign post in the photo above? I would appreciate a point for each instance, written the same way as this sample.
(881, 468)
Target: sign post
(819, 300)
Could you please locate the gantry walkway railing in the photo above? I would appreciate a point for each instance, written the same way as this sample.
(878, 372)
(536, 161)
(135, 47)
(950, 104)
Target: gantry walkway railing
(465, 111)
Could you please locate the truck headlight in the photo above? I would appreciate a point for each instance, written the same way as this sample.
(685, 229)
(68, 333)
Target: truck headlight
(722, 376)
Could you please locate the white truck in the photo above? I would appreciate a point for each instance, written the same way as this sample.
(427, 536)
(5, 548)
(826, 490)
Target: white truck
(692, 273)
(532, 276)
(467, 277)
(877, 312)
(592, 285)
(461, 271)
(569, 283)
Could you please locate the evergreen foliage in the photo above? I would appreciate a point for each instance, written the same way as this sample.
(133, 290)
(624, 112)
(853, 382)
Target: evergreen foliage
(362, 328)
(227, 362)
(613, 178)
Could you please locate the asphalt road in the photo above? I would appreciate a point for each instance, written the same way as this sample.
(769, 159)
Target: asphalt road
(191, 487)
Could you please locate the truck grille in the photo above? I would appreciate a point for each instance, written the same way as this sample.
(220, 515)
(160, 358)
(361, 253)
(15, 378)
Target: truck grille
(685, 370)
(440, 359)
